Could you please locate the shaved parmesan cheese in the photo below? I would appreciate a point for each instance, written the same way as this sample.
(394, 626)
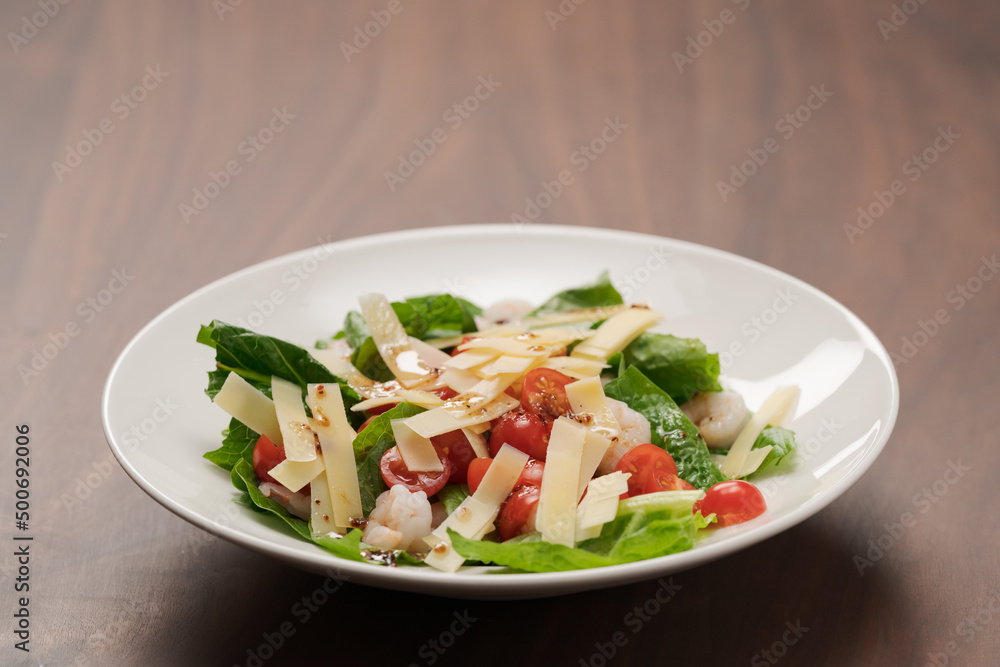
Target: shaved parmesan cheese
(416, 451)
(574, 316)
(321, 521)
(474, 517)
(392, 341)
(754, 459)
(458, 379)
(343, 368)
(252, 407)
(472, 358)
(775, 407)
(299, 441)
(595, 446)
(506, 363)
(556, 518)
(616, 332)
(295, 474)
(575, 367)
(440, 420)
(554, 336)
(600, 505)
(424, 399)
(590, 406)
(478, 443)
(430, 355)
(336, 440)
(480, 395)
(505, 346)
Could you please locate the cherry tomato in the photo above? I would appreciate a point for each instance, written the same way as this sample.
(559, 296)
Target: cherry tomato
(365, 423)
(445, 393)
(521, 430)
(517, 514)
(266, 455)
(543, 393)
(394, 471)
(732, 502)
(530, 474)
(379, 409)
(458, 449)
(648, 464)
(465, 339)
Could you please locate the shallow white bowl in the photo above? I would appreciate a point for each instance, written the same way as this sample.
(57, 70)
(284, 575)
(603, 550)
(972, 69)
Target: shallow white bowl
(770, 329)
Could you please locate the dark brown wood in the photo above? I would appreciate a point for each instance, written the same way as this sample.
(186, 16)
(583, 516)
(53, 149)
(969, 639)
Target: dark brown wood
(118, 580)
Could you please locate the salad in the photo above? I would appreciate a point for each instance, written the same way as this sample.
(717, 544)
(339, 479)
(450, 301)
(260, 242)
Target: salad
(431, 432)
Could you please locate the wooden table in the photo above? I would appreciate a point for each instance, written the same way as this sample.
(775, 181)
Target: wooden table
(758, 128)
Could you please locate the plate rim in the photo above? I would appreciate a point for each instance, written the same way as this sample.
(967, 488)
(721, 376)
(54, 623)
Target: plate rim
(475, 584)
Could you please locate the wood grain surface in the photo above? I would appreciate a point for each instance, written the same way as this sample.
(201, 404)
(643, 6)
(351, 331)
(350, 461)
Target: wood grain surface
(118, 580)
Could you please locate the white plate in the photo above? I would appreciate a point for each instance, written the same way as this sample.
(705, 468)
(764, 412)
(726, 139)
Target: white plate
(771, 329)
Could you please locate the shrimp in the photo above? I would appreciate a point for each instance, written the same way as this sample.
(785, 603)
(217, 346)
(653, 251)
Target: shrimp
(507, 311)
(399, 521)
(295, 503)
(635, 431)
(719, 416)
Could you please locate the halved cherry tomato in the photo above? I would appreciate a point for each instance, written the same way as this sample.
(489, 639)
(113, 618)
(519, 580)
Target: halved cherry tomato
(732, 502)
(530, 474)
(521, 430)
(379, 409)
(365, 423)
(458, 449)
(266, 455)
(651, 469)
(465, 339)
(394, 471)
(445, 393)
(517, 514)
(543, 393)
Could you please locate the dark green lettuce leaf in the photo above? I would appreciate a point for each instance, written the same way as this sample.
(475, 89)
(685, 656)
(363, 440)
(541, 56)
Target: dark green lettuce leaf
(257, 357)
(601, 293)
(355, 329)
(370, 445)
(681, 367)
(236, 446)
(436, 316)
(366, 358)
(671, 429)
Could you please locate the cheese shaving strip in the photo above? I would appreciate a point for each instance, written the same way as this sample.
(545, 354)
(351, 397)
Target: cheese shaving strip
(424, 399)
(556, 517)
(336, 439)
(474, 517)
(575, 367)
(252, 407)
(741, 460)
(590, 406)
(298, 438)
(616, 333)
(600, 505)
(440, 420)
(343, 368)
(417, 452)
(392, 341)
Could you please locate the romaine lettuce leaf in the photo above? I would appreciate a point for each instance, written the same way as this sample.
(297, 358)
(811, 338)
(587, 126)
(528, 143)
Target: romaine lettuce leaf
(671, 429)
(257, 357)
(679, 366)
(452, 496)
(782, 442)
(628, 538)
(601, 293)
(370, 445)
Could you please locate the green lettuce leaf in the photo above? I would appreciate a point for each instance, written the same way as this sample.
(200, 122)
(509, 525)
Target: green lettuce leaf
(671, 429)
(257, 357)
(366, 358)
(630, 537)
(436, 316)
(782, 442)
(681, 367)
(355, 329)
(601, 293)
(370, 445)
(236, 446)
(452, 496)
